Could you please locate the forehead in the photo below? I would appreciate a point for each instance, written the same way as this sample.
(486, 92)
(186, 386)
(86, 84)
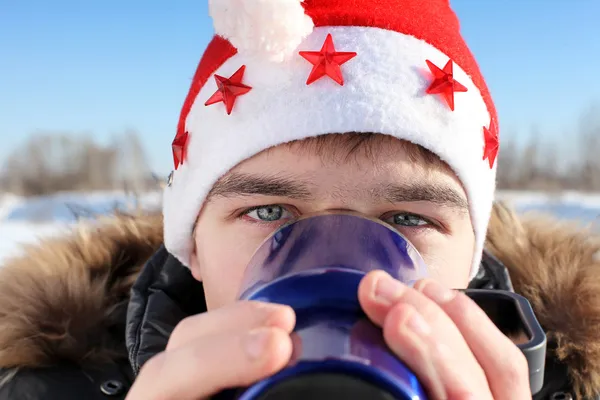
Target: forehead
(343, 166)
(343, 147)
(362, 152)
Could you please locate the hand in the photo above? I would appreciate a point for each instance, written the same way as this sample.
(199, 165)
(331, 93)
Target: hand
(230, 347)
(446, 339)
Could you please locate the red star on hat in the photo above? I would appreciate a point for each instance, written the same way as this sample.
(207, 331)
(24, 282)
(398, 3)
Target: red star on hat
(492, 143)
(179, 148)
(444, 82)
(327, 62)
(229, 89)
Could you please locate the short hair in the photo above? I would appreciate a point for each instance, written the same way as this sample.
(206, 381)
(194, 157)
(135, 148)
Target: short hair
(345, 145)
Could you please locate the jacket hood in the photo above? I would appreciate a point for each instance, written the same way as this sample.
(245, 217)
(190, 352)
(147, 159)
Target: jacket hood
(556, 266)
(65, 298)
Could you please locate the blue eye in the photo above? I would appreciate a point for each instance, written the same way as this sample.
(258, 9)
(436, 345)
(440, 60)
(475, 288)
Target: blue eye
(270, 213)
(410, 220)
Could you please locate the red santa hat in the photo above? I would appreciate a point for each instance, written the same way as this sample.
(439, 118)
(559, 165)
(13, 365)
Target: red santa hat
(284, 70)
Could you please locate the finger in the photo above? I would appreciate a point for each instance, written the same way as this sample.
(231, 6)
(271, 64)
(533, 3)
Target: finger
(206, 367)
(373, 303)
(380, 294)
(244, 315)
(504, 364)
(439, 368)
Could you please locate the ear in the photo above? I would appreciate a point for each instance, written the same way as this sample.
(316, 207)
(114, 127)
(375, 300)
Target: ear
(195, 265)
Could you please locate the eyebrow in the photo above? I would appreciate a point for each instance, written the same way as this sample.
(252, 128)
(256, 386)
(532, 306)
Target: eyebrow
(239, 184)
(436, 193)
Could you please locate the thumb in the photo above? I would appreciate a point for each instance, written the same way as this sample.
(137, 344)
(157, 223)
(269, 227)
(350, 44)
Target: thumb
(215, 363)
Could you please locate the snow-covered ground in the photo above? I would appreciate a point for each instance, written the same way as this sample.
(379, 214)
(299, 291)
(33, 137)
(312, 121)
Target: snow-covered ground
(583, 208)
(13, 234)
(27, 220)
(7, 203)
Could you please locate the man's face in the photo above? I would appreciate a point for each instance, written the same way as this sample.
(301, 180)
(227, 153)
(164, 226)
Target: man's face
(426, 204)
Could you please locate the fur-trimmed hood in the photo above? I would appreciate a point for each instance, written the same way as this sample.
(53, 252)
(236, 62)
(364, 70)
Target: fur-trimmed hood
(556, 266)
(65, 297)
(61, 299)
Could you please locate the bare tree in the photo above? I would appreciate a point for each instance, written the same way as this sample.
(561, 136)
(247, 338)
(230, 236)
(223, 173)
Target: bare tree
(135, 170)
(589, 139)
(554, 165)
(53, 162)
(528, 163)
(508, 164)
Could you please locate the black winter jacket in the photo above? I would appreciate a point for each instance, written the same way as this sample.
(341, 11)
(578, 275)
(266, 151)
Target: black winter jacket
(60, 349)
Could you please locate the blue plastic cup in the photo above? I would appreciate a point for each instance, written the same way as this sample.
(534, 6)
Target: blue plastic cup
(315, 266)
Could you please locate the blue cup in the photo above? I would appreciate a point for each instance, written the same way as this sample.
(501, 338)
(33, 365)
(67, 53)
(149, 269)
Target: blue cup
(315, 265)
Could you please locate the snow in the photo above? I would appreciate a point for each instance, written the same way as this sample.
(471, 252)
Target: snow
(566, 198)
(26, 220)
(7, 203)
(579, 207)
(68, 207)
(14, 234)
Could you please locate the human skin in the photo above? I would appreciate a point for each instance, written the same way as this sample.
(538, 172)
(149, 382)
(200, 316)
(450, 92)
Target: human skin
(427, 205)
(431, 328)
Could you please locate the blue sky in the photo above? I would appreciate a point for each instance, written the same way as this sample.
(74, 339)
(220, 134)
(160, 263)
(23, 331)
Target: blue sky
(104, 66)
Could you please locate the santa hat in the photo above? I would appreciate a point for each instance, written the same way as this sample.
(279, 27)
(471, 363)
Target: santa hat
(284, 70)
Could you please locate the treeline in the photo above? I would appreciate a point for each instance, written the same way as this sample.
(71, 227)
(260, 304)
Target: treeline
(55, 162)
(567, 161)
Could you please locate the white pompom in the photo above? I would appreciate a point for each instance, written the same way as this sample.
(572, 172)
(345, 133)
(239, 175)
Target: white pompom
(270, 29)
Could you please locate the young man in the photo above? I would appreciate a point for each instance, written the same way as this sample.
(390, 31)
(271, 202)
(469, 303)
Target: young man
(373, 107)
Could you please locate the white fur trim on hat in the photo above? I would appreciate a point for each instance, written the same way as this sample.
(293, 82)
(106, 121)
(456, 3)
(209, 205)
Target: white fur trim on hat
(384, 92)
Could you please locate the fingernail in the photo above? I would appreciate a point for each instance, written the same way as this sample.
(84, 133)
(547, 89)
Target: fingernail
(417, 324)
(256, 343)
(387, 289)
(437, 292)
